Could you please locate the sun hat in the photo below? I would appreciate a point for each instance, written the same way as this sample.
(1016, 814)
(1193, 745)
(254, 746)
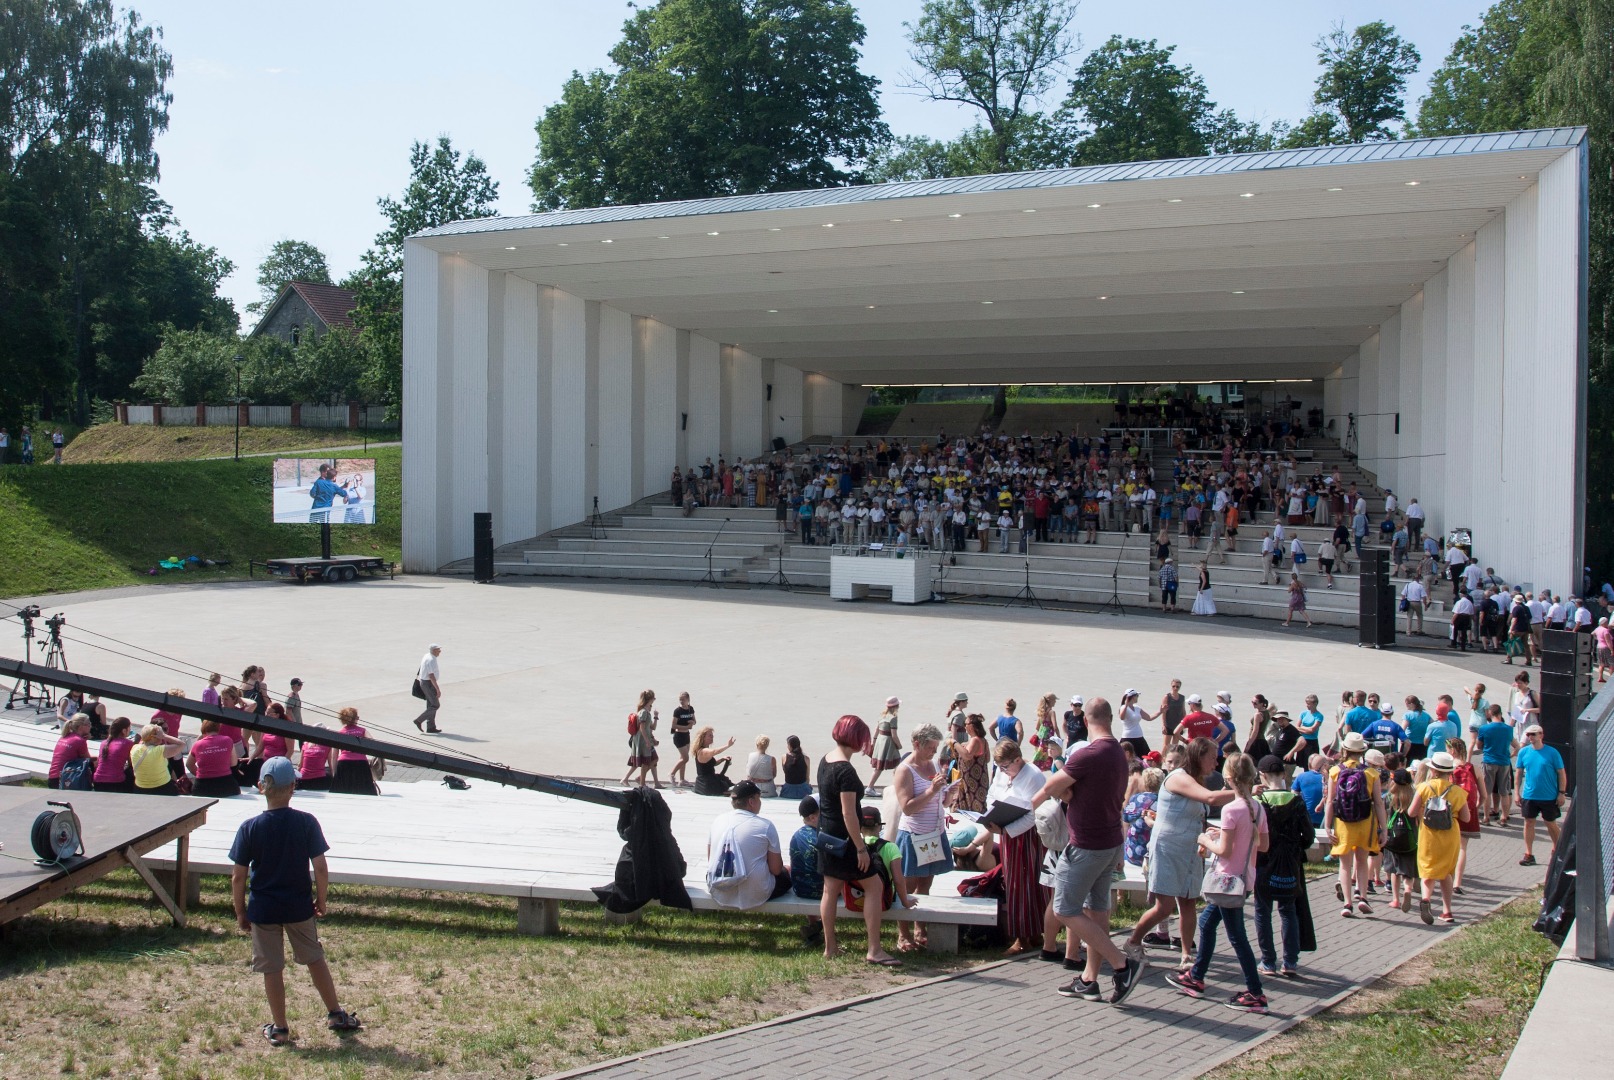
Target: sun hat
(960, 697)
(1534, 729)
(1354, 743)
(893, 702)
(1223, 709)
(1374, 757)
(1440, 761)
(1225, 695)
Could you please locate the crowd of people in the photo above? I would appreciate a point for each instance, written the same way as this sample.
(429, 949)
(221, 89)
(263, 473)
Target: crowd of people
(1053, 813)
(25, 446)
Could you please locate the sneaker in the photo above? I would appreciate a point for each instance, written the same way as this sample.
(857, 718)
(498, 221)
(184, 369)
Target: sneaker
(1078, 964)
(1363, 906)
(1159, 939)
(1126, 980)
(1371, 889)
(1528, 860)
(1290, 973)
(1248, 1002)
(1132, 951)
(1081, 988)
(1268, 971)
(1186, 983)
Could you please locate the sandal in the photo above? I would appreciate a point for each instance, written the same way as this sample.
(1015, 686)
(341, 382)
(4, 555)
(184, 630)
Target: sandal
(342, 1021)
(884, 961)
(277, 1036)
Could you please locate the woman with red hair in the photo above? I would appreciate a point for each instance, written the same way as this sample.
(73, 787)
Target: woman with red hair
(842, 854)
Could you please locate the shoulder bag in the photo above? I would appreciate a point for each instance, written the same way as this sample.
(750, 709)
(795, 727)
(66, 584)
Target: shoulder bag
(1230, 890)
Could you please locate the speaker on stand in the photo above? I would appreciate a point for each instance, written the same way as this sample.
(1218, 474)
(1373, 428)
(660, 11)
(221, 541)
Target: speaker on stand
(1565, 690)
(1375, 608)
(482, 547)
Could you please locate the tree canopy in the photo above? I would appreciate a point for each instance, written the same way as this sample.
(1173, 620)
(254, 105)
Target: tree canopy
(288, 261)
(713, 97)
(1362, 87)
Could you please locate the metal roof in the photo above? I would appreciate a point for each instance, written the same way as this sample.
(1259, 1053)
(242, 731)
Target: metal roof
(1225, 164)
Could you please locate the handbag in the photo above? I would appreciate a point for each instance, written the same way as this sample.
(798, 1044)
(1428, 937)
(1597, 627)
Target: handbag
(378, 768)
(833, 846)
(1229, 890)
(76, 775)
(416, 691)
(928, 848)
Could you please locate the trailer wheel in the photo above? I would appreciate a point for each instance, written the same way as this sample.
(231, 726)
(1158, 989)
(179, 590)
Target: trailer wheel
(333, 573)
(348, 573)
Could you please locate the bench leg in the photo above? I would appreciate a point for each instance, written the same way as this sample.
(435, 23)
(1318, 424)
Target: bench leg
(192, 890)
(941, 937)
(540, 918)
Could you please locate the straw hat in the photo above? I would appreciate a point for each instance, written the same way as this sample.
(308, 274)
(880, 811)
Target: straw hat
(892, 702)
(1353, 743)
(1440, 761)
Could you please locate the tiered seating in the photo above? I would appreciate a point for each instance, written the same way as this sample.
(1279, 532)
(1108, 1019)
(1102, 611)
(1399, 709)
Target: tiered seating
(1037, 417)
(925, 420)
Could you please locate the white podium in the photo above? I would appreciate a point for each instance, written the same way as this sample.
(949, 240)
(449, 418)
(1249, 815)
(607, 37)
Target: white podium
(908, 578)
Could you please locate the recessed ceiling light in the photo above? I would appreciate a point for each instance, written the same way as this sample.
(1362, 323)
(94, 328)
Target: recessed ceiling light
(663, 238)
(714, 234)
(1094, 205)
(955, 215)
(607, 241)
(871, 307)
(563, 244)
(773, 311)
(1028, 211)
(1103, 298)
(988, 301)
(1336, 189)
(896, 221)
(509, 249)
(770, 229)
(829, 224)
(1238, 292)
(1413, 183)
(1248, 195)
(1174, 200)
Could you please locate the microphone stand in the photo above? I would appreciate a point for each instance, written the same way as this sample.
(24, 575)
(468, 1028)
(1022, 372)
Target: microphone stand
(1114, 602)
(710, 578)
(1025, 595)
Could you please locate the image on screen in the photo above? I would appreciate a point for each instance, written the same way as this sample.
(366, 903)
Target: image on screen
(320, 491)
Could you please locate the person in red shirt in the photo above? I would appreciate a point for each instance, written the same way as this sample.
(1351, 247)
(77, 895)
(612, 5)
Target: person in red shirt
(72, 746)
(1197, 724)
(112, 768)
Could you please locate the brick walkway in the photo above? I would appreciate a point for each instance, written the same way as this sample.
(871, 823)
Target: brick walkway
(1157, 1034)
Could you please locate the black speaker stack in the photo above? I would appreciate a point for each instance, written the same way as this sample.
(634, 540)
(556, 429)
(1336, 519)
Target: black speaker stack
(1565, 690)
(482, 547)
(1375, 607)
(779, 443)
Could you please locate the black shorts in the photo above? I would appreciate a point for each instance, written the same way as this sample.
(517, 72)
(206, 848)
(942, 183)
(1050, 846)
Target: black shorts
(1140, 746)
(1545, 809)
(680, 739)
(1417, 751)
(1327, 565)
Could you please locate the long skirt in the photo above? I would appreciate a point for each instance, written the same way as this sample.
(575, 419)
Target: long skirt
(354, 778)
(1025, 899)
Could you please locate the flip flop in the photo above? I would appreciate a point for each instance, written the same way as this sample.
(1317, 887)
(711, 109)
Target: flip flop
(888, 961)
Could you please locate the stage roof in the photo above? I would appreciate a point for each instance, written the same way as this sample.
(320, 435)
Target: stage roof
(1274, 265)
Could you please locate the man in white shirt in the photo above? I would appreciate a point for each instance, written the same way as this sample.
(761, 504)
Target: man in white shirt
(1556, 614)
(1455, 561)
(426, 677)
(1389, 503)
(1414, 522)
(1269, 560)
(1462, 621)
(745, 865)
(1472, 576)
(1416, 598)
(1538, 619)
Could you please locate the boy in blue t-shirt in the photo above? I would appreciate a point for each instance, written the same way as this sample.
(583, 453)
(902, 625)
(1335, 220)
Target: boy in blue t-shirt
(272, 853)
(1541, 788)
(806, 881)
(1495, 740)
(1384, 734)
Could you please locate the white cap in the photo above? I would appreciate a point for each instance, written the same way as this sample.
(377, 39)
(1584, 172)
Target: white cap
(1076, 699)
(433, 647)
(1224, 695)
(1194, 699)
(1129, 693)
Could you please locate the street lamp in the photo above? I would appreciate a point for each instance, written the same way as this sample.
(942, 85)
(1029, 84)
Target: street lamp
(239, 359)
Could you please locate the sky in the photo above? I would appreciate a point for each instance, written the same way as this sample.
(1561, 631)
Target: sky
(289, 121)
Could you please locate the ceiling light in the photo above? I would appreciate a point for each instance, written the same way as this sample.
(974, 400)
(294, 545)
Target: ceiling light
(714, 234)
(1238, 292)
(896, 221)
(773, 311)
(1336, 189)
(663, 238)
(509, 249)
(1174, 200)
(771, 229)
(1103, 298)
(1413, 183)
(607, 241)
(829, 224)
(1028, 211)
(871, 307)
(563, 244)
(988, 301)
(1094, 205)
(955, 215)
(1248, 195)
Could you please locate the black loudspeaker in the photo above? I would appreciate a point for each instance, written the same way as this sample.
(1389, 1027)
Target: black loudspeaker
(482, 547)
(1565, 690)
(779, 442)
(1375, 608)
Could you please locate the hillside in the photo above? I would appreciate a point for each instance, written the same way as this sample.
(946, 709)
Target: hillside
(105, 443)
(92, 526)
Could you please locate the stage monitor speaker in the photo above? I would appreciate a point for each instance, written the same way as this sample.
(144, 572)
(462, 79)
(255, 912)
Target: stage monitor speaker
(482, 547)
(779, 443)
(1565, 689)
(1375, 610)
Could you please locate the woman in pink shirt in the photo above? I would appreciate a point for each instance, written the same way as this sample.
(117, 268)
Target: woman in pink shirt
(352, 767)
(112, 769)
(70, 747)
(212, 761)
(266, 745)
(231, 698)
(315, 774)
(170, 720)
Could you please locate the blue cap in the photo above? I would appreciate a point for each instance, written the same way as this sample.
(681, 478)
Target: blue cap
(277, 772)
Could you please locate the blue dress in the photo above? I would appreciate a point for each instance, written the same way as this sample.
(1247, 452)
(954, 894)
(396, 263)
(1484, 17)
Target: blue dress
(1174, 867)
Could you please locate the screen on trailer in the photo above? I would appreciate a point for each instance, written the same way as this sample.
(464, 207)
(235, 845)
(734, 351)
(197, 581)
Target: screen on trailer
(321, 491)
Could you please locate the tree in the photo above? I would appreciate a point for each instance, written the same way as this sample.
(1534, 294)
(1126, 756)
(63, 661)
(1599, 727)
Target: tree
(1361, 87)
(997, 56)
(441, 189)
(1138, 105)
(1488, 79)
(1035, 143)
(713, 97)
(288, 261)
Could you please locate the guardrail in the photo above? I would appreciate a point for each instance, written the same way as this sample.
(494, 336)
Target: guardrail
(1594, 825)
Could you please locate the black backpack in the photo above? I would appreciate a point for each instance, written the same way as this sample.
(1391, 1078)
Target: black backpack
(1280, 869)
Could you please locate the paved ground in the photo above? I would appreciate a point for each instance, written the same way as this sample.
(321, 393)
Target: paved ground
(1157, 1034)
(542, 675)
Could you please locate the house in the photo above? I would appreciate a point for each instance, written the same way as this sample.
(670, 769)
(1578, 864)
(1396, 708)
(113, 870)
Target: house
(304, 307)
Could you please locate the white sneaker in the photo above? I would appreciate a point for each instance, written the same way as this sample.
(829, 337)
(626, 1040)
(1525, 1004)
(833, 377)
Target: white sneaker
(1132, 950)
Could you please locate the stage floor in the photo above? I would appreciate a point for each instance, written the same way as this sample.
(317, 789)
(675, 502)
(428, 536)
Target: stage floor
(542, 676)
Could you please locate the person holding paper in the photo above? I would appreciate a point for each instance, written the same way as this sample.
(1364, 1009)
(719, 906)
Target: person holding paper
(1024, 897)
(921, 830)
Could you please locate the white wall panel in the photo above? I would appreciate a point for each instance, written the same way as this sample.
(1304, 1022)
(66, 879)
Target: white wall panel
(425, 368)
(745, 402)
(1367, 403)
(617, 433)
(1429, 405)
(1457, 503)
(786, 409)
(1487, 494)
(1350, 397)
(705, 432)
(1389, 399)
(1513, 520)
(568, 438)
(1333, 399)
(657, 345)
(824, 406)
(525, 415)
(1560, 380)
(1408, 390)
(468, 419)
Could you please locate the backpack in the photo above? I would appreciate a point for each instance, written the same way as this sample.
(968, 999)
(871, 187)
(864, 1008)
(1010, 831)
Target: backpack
(1398, 835)
(1051, 825)
(852, 891)
(76, 775)
(1437, 811)
(633, 723)
(1353, 801)
(1280, 869)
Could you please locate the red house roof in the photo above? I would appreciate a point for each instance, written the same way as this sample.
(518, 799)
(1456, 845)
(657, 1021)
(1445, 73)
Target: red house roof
(332, 303)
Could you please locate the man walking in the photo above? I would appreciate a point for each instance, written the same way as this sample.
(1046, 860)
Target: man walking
(269, 885)
(1414, 598)
(1095, 779)
(426, 678)
(1542, 782)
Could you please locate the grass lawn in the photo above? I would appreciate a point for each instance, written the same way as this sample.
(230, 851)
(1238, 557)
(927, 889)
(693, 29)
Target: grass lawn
(92, 526)
(1455, 1011)
(100, 984)
(106, 443)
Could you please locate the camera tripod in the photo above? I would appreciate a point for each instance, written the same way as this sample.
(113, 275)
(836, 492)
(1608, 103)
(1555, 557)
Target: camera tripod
(778, 577)
(1025, 595)
(55, 658)
(596, 523)
(1113, 604)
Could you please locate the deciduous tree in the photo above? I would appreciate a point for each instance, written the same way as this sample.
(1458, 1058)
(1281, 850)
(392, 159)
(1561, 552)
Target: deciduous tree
(288, 261)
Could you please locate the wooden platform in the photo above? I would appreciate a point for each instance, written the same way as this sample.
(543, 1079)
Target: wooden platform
(541, 849)
(117, 831)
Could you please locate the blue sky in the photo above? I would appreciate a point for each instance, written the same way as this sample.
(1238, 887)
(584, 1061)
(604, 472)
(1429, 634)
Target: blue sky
(290, 121)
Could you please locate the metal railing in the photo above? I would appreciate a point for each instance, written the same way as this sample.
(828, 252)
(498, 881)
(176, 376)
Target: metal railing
(1594, 825)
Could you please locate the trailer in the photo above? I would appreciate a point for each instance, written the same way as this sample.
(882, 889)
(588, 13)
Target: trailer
(325, 567)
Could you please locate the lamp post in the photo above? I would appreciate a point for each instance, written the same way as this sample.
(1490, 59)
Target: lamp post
(365, 409)
(238, 361)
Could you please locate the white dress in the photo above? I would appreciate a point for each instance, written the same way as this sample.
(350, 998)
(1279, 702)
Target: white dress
(1204, 602)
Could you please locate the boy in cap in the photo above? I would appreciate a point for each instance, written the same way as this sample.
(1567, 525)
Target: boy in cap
(272, 853)
(806, 880)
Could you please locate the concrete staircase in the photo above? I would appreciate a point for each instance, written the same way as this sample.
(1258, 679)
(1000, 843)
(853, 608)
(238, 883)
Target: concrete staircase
(927, 419)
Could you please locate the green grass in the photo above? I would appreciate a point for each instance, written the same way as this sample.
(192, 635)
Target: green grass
(1469, 996)
(100, 984)
(94, 526)
(105, 443)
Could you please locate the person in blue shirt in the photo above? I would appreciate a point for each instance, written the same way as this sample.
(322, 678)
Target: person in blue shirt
(1384, 734)
(806, 880)
(323, 491)
(1226, 733)
(269, 885)
(1311, 730)
(1417, 722)
(1542, 783)
(1358, 718)
(1309, 785)
(1494, 739)
(1441, 732)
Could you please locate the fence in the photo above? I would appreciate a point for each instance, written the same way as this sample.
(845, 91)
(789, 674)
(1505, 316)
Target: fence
(351, 416)
(1594, 825)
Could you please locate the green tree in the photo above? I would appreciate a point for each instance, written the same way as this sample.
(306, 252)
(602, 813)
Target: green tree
(1488, 80)
(288, 261)
(999, 57)
(1362, 86)
(1136, 105)
(1036, 143)
(442, 188)
(713, 97)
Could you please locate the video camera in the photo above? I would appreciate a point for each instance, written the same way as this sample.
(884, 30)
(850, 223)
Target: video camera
(30, 612)
(56, 622)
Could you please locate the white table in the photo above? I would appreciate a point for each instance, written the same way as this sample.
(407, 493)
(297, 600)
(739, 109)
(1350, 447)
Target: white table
(908, 578)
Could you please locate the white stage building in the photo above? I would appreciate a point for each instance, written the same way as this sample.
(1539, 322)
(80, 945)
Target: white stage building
(1436, 286)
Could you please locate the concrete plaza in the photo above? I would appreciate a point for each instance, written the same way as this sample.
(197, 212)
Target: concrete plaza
(542, 676)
